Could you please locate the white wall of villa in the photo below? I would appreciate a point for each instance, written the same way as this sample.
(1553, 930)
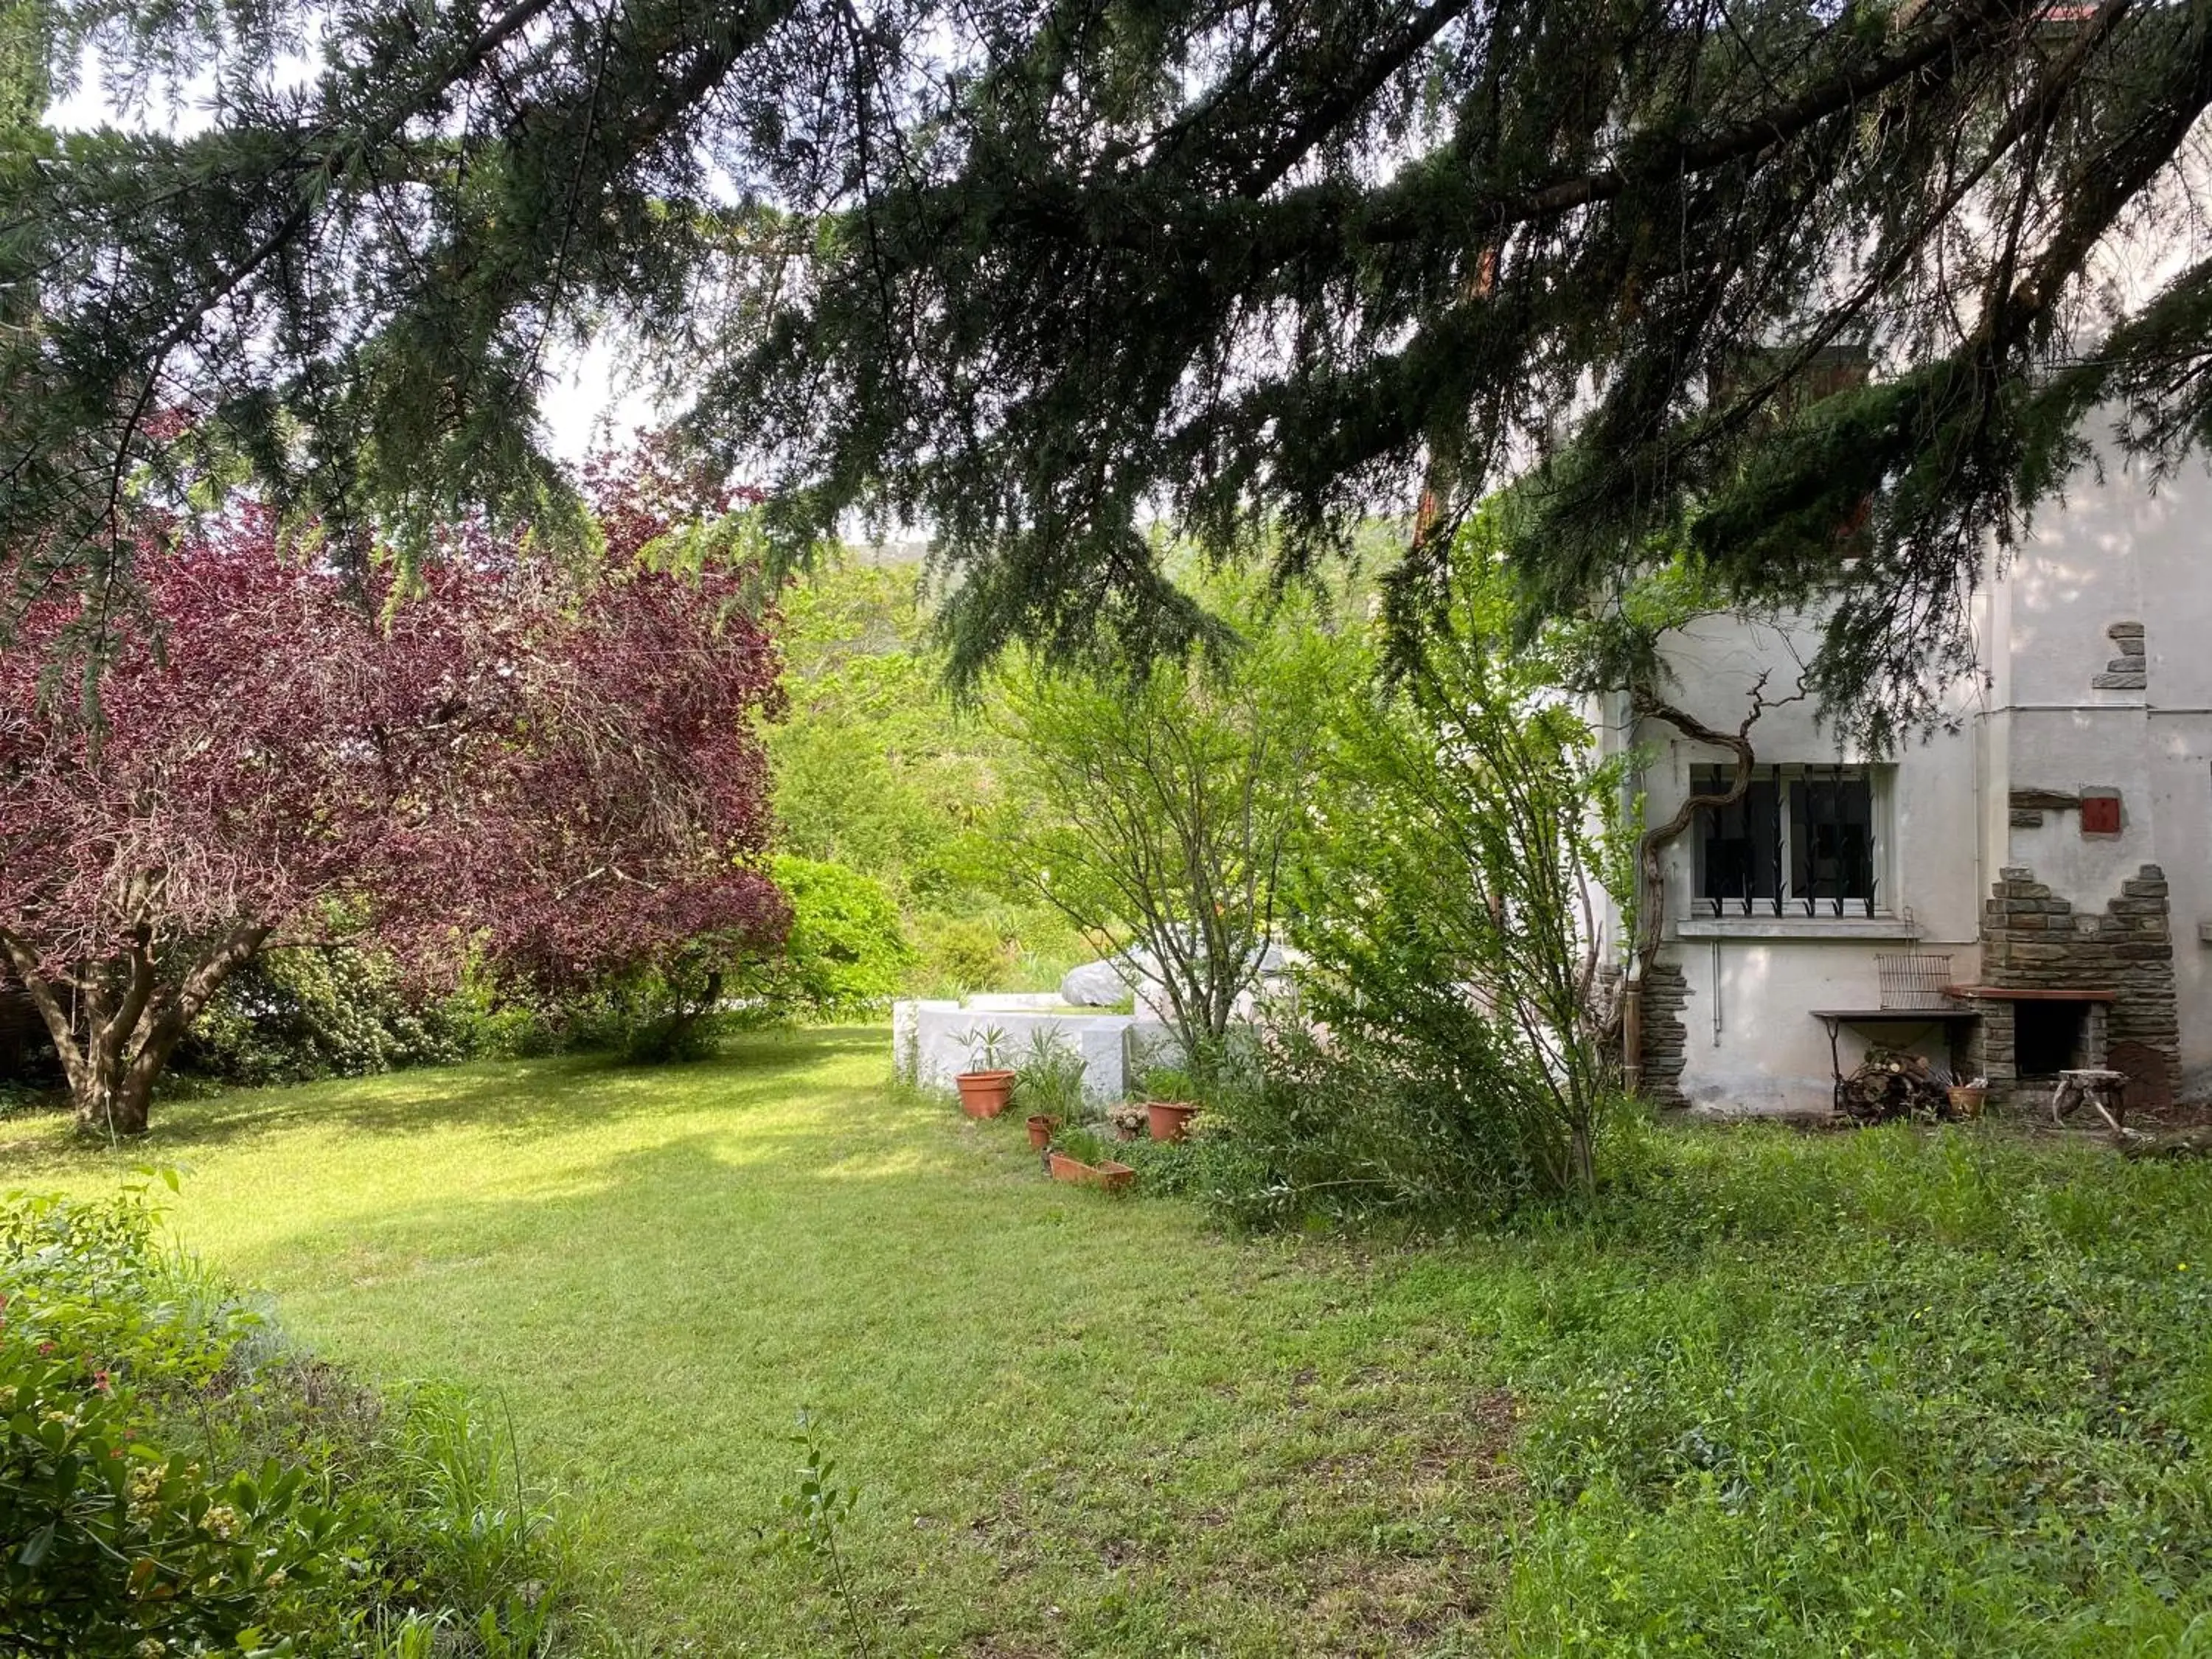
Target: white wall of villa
(933, 1041)
(1945, 823)
(2118, 551)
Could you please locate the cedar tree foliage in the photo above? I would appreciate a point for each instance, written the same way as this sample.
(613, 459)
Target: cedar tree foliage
(1027, 273)
(565, 782)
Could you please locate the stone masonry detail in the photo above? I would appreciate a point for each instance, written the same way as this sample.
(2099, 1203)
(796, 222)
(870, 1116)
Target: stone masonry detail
(2033, 941)
(2130, 669)
(1666, 1038)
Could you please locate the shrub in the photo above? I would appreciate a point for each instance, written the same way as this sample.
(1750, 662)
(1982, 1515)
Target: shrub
(647, 1016)
(174, 1479)
(298, 1016)
(847, 952)
(960, 956)
(844, 958)
(1448, 898)
(17, 1098)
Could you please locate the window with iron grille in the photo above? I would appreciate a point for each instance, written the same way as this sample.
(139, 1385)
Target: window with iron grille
(1802, 841)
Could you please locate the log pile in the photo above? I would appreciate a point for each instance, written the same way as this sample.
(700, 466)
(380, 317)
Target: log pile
(1891, 1085)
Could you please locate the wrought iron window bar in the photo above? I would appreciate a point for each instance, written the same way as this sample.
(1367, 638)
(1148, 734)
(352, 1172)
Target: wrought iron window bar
(1856, 862)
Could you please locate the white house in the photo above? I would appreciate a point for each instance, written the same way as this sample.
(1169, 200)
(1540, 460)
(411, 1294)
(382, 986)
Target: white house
(2057, 846)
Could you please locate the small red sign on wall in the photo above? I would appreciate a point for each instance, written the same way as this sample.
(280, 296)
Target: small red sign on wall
(2100, 815)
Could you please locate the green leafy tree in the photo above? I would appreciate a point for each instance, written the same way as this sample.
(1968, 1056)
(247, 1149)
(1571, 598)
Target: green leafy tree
(1157, 804)
(24, 84)
(1452, 901)
(874, 765)
(847, 954)
(877, 769)
(1022, 273)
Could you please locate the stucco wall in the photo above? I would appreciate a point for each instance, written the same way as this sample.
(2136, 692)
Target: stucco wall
(1770, 1056)
(2118, 551)
(2048, 713)
(1764, 975)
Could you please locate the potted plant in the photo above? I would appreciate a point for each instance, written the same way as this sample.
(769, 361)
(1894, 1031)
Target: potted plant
(1169, 1104)
(985, 1088)
(1169, 1119)
(1048, 1085)
(1071, 1155)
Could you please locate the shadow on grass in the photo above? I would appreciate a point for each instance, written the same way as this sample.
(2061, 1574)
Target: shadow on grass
(1087, 1425)
(516, 1097)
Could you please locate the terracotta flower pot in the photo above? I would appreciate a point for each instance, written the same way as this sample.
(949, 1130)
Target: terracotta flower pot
(1040, 1130)
(1966, 1100)
(984, 1094)
(1074, 1169)
(1171, 1119)
(1115, 1177)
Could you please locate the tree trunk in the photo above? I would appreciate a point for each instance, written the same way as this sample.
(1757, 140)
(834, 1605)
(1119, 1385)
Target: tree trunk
(163, 1030)
(115, 1026)
(116, 1106)
(687, 1015)
(113, 1091)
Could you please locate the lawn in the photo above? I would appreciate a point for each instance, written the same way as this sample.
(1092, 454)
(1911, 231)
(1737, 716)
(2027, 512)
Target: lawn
(1883, 1392)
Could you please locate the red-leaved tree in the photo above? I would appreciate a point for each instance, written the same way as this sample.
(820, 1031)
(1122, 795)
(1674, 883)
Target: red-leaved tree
(561, 774)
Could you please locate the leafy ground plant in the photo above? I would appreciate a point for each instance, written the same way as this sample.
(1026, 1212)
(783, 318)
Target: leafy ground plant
(174, 1479)
(814, 1511)
(1886, 1393)
(1048, 1078)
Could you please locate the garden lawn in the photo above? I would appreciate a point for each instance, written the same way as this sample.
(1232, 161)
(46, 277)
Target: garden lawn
(1077, 1425)
(1884, 1392)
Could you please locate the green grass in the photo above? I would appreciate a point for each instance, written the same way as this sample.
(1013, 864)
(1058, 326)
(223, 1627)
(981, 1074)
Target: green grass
(1884, 1392)
(1079, 1425)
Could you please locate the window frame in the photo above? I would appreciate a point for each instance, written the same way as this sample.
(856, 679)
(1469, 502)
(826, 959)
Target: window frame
(1786, 904)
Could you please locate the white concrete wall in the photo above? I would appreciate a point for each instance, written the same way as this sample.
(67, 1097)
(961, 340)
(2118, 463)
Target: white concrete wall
(1762, 975)
(933, 1041)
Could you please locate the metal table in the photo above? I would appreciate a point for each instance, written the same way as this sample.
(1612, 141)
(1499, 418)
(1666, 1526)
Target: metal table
(1953, 1022)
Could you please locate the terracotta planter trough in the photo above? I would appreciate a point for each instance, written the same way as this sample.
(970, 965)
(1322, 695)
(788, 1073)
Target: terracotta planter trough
(1113, 1178)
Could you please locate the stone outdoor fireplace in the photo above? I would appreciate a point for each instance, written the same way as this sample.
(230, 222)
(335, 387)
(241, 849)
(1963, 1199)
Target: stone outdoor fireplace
(2052, 1036)
(2063, 989)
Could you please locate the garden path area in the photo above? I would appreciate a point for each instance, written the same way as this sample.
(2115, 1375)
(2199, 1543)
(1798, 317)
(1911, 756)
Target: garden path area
(1885, 1392)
